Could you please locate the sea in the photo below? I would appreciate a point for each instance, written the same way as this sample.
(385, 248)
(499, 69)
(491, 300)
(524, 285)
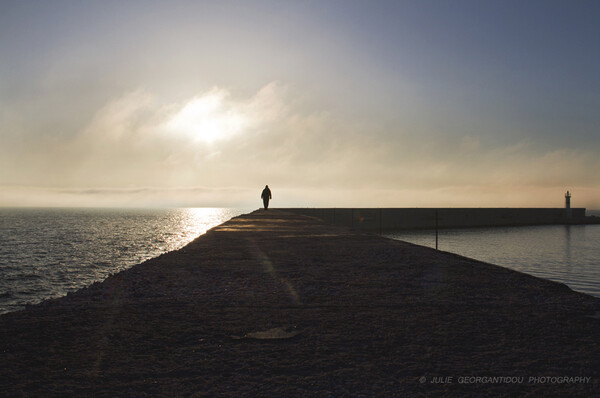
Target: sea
(48, 252)
(569, 254)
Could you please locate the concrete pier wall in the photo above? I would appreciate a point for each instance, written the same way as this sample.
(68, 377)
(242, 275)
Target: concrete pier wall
(386, 219)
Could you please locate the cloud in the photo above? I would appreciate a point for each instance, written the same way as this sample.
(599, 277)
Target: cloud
(208, 118)
(212, 138)
(216, 147)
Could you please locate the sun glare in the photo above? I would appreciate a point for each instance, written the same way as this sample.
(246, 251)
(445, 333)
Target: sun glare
(207, 118)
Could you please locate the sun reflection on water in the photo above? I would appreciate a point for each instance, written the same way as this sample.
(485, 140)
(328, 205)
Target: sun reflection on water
(193, 222)
(49, 252)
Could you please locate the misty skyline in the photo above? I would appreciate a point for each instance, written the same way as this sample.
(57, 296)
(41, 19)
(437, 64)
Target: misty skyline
(332, 103)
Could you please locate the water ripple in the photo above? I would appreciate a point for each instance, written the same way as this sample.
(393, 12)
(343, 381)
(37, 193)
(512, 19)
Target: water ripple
(46, 253)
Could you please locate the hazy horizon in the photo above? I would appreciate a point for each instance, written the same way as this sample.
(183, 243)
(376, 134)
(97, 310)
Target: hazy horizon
(333, 104)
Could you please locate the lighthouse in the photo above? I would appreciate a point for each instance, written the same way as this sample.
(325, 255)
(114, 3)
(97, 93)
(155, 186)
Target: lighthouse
(568, 204)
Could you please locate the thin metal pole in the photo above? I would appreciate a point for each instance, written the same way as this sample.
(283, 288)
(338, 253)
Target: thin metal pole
(436, 229)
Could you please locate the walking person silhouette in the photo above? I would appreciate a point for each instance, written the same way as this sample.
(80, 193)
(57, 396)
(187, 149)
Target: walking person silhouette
(266, 195)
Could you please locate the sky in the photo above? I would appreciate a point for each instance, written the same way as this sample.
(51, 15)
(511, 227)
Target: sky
(331, 103)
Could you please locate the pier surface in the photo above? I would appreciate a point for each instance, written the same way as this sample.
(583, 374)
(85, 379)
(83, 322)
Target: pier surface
(278, 304)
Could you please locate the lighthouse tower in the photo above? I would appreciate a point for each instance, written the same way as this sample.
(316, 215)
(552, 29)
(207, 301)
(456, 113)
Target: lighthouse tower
(568, 204)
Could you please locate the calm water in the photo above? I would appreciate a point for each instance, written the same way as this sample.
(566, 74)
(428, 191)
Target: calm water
(563, 253)
(48, 252)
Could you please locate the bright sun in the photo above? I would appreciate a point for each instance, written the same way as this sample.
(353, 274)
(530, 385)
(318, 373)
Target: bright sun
(207, 118)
